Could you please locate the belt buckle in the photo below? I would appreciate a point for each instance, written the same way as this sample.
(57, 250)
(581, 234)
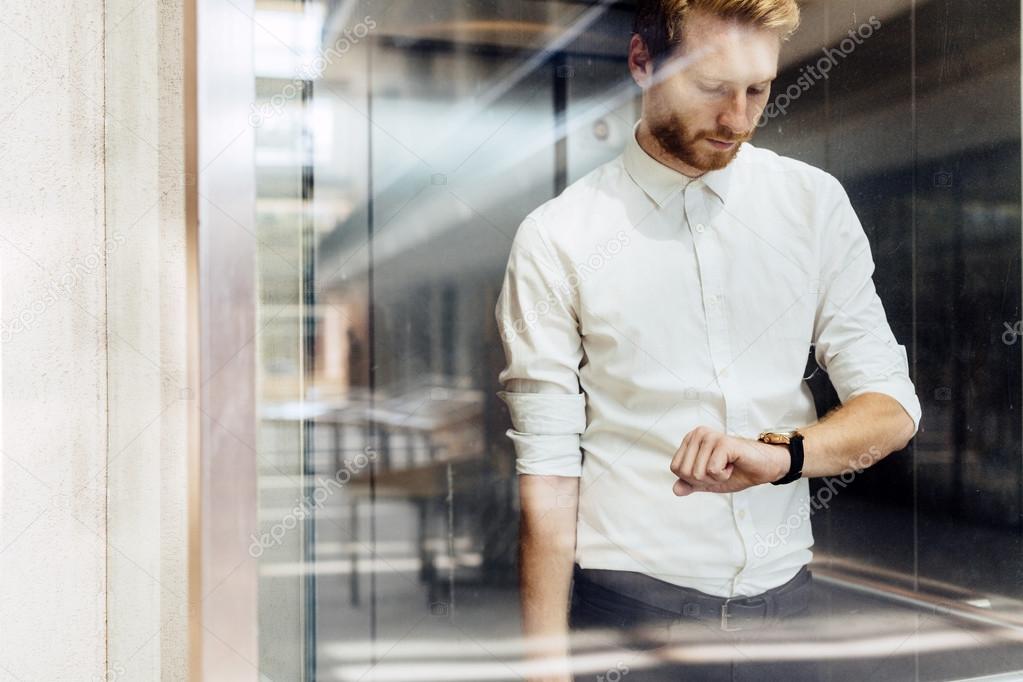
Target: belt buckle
(724, 612)
(724, 616)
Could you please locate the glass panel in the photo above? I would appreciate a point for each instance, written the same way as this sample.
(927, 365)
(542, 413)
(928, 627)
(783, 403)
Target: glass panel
(280, 116)
(399, 147)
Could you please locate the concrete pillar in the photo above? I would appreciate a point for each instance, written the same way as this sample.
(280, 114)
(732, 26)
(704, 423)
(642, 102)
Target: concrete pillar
(53, 245)
(149, 395)
(93, 427)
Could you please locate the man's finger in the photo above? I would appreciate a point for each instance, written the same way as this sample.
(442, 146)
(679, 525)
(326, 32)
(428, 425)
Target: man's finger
(707, 447)
(681, 488)
(685, 467)
(707, 452)
(718, 467)
(687, 487)
(676, 460)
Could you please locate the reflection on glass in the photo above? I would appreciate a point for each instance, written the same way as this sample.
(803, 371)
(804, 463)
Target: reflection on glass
(400, 144)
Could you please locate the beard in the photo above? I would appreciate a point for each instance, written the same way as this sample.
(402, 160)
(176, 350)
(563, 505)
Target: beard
(678, 140)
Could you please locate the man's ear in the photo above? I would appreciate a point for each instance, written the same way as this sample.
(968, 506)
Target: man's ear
(641, 65)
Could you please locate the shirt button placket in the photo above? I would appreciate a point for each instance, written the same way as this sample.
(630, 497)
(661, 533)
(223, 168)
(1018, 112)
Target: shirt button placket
(744, 523)
(710, 259)
(717, 325)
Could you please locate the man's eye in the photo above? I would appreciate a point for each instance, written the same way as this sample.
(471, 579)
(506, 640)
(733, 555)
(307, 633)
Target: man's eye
(757, 91)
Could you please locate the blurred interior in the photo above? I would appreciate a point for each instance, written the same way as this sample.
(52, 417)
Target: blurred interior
(399, 144)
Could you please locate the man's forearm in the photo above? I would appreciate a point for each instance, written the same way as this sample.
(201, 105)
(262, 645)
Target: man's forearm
(861, 432)
(547, 554)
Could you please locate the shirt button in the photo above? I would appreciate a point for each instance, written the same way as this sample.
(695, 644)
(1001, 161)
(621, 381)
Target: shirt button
(700, 227)
(742, 513)
(724, 372)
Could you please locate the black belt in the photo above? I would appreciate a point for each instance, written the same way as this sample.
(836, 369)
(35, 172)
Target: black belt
(730, 613)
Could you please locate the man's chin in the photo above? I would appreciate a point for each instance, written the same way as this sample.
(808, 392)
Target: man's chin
(714, 160)
(701, 154)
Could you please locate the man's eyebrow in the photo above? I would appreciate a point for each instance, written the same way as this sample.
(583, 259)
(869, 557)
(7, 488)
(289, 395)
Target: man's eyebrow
(719, 81)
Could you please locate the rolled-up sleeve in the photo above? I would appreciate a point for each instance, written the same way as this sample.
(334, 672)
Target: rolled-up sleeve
(853, 340)
(536, 313)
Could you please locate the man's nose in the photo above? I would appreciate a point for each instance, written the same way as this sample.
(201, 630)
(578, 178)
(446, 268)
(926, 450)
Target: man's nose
(735, 116)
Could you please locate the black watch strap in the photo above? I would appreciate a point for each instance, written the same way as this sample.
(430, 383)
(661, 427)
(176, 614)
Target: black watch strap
(796, 465)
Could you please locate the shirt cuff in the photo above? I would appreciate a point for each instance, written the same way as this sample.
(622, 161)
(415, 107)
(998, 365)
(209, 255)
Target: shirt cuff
(547, 455)
(546, 431)
(875, 368)
(546, 413)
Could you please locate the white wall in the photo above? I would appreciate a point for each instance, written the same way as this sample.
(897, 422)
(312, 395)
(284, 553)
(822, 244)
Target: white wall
(92, 277)
(52, 243)
(148, 394)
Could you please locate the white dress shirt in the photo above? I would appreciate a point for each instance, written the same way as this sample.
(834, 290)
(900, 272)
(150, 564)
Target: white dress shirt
(638, 305)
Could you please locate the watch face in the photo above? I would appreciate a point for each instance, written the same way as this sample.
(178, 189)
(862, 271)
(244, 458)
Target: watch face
(776, 437)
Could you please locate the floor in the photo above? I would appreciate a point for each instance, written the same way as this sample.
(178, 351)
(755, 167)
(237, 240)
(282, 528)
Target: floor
(424, 635)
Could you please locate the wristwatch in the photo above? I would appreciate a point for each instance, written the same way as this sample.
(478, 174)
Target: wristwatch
(794, 441)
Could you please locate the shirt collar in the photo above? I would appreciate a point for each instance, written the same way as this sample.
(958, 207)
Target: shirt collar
(660, 182)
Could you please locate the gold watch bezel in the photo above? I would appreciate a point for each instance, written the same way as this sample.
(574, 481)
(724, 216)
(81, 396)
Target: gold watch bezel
(777, 437)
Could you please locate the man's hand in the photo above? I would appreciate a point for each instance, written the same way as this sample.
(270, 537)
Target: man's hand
(711, 461)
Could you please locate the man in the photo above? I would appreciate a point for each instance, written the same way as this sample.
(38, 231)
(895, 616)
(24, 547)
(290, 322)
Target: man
(656, 318)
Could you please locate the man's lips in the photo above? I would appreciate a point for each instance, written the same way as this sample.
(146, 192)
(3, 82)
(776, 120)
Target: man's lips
(721, 145)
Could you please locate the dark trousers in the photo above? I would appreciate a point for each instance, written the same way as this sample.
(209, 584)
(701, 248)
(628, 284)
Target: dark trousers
(659, 639)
